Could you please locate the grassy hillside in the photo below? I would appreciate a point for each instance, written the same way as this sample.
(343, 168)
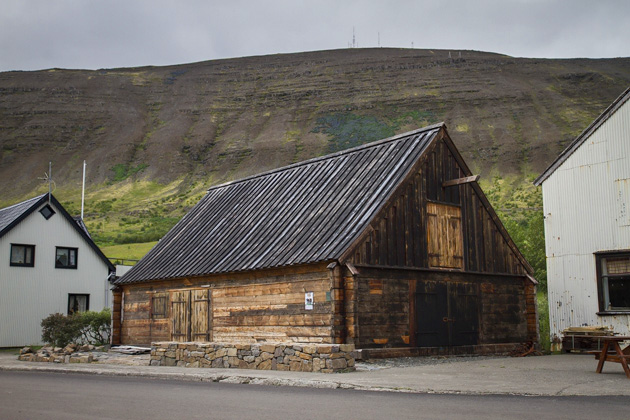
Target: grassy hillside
(155, 138)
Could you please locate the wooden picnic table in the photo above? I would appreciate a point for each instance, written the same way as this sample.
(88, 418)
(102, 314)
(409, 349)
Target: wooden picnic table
(618, 355)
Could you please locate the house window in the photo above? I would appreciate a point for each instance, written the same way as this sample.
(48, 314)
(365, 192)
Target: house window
(614, 281)
(159, 306)
(66, 257)
(78, 303)
(47, 211)
(22, 255)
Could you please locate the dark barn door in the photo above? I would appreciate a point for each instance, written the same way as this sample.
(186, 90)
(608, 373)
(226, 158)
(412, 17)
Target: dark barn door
(431, 307)
(447, 314)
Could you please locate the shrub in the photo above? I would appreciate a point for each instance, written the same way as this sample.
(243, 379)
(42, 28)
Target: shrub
(95, 326)
(82, 328)
(60, 330)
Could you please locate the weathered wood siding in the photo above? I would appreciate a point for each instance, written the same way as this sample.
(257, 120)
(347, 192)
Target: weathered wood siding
(399, 235)
(386, 306)
(383, 312)
(267, 305)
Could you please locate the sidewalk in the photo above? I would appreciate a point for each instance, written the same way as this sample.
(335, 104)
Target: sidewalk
(559, 375)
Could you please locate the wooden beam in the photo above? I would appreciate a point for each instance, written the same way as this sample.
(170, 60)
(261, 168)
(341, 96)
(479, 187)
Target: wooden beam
(352, 269)
(459, 181)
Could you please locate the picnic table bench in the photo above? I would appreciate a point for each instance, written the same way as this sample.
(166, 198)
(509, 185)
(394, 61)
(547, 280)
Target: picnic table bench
(612, 352)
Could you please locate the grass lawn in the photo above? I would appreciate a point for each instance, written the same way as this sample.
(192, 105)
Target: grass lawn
(128, 251)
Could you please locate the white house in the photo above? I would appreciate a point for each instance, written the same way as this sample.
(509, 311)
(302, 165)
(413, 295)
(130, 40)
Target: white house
(48, 264)
(586, 199)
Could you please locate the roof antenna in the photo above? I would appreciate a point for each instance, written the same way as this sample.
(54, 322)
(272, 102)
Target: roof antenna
(83, 191)
(48, 178)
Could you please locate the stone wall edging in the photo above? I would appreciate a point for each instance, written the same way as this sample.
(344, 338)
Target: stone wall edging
(295, 357)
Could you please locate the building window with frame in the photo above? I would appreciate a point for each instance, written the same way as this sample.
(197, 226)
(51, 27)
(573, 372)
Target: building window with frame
(159, 306)
(47, 211)
(66, 257)
(613, 270)
(78, 303)
(22, 255)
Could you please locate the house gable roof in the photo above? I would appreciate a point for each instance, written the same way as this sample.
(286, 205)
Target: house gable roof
(12, 215)
(308, 212)
(579, 140)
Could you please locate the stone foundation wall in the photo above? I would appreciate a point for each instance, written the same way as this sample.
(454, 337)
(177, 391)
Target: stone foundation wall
(325, 358)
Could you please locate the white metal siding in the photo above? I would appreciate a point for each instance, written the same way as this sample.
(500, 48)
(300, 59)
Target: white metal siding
(29, 294)
(586, 210)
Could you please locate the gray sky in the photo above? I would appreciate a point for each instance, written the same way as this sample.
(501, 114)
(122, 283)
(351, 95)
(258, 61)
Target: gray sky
(92, 34)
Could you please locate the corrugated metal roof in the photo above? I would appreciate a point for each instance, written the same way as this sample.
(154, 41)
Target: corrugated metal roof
(303, 213)
(566, 153)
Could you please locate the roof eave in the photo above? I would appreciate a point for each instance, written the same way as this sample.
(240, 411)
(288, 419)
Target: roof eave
(579, 140)
(332, 155)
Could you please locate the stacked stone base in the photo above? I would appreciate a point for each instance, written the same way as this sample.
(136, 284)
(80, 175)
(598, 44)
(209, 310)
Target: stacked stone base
(324, 358)
(67, 354)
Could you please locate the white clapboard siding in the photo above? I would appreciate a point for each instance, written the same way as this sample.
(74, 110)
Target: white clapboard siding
(29, 294)
(587, 209)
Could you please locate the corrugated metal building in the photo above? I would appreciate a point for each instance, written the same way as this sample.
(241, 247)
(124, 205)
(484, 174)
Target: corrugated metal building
(48, 264)
(387, 245)
(586, 196)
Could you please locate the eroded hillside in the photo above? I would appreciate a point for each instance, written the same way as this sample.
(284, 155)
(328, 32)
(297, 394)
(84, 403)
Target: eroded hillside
(154, 138)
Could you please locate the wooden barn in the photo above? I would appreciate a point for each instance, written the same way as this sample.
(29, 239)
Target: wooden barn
(390, 245)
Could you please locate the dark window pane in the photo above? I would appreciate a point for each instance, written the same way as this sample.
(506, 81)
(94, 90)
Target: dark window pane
(66, 258)
(78, 303)
(47, 212)
(22, 255)
(619, 292)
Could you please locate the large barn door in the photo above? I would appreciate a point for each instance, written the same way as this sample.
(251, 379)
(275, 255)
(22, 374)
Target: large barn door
(447, 314)
(180, 310)
(464, 312)
(431, 307)
(200, 325)
(191, 315)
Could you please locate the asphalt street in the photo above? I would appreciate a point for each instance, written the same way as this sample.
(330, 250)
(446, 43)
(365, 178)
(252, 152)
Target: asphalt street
(45, 395)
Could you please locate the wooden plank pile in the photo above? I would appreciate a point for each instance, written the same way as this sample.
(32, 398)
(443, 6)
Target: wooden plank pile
(584, 339)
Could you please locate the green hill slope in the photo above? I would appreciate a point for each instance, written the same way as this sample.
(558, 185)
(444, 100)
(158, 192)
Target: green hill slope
(155, 138)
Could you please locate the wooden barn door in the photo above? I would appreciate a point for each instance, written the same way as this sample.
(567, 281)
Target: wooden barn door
(191, 315)
(180, 311)
(447, 314)
(200, 326)
(431, 307)
(463, 314)
(444, 236)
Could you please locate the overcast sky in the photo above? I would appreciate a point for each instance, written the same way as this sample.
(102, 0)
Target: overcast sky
(92, 34)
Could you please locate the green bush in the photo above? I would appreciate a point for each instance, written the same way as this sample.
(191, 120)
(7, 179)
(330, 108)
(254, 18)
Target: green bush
(60, 330)
(82, 328)
(95, 326)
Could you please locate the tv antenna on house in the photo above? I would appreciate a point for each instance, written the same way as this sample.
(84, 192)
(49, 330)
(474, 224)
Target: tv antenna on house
(48, 178)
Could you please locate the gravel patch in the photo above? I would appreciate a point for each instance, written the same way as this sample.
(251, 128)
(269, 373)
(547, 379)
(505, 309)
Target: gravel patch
(402, 362)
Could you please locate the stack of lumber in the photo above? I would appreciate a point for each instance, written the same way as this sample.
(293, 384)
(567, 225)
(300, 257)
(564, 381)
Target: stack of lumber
(583, 339)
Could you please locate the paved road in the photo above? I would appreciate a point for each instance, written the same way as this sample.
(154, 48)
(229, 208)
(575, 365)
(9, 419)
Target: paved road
(50, 396)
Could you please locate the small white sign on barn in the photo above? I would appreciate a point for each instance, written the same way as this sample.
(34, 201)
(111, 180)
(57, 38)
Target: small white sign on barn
(308, 301)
